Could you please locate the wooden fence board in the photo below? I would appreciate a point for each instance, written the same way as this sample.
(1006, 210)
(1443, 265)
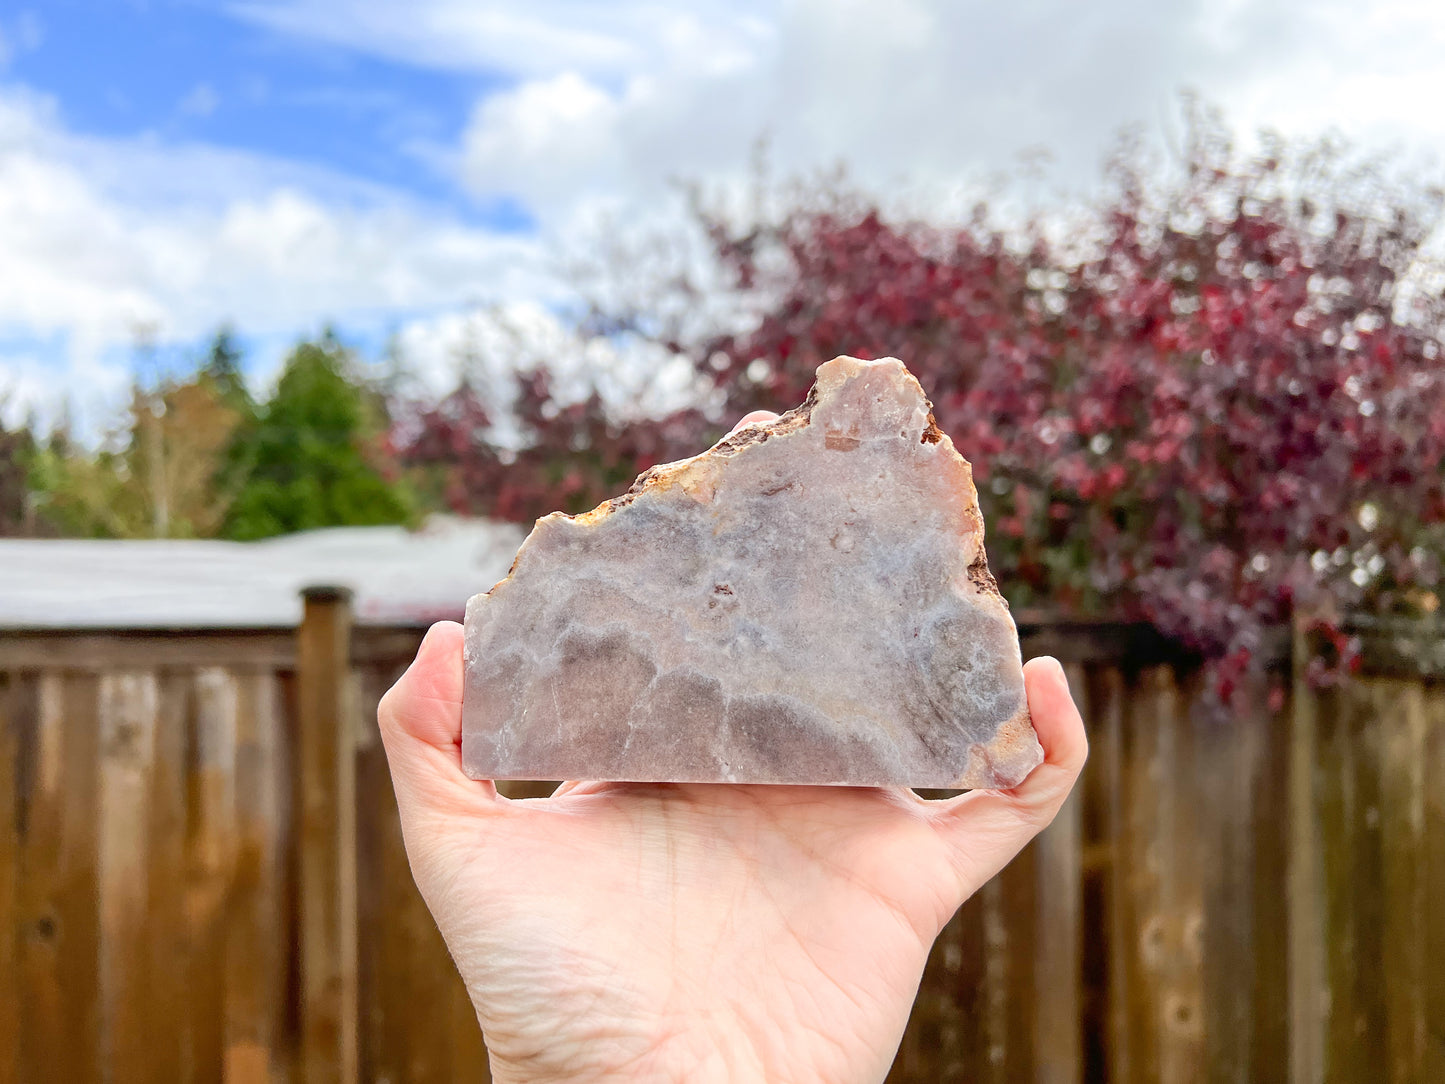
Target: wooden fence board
(171, 997)
(1180, 860)
(1348, 797)
(16, 716)
(1267, 974)
(1225, 766)
(129, 713)
(1432, 951)
(40, 716)
(1370, 1021)
(1243, 965)
(1141, 929)
(377, 976)
(965, 1036)
(77, 920)
(1000, 1045)
(1336, 800)
(1308, 994)
(60, 1017)
(1110, 1055)
(256, 925)
(947, 1031)
(210, 865)
(1398, 710)
(1013, 931)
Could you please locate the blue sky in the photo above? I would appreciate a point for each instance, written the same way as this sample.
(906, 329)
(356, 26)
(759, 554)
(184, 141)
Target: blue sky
(179, 71)
(421, 171)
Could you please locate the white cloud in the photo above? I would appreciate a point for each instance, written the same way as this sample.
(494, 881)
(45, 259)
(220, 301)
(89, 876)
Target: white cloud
(486, 345)
(518, 37)
(549, 139)
(1371, 72)
(104, 237)
(937, 94)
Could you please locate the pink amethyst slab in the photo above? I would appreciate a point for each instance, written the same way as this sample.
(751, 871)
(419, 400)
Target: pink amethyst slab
(806, 602)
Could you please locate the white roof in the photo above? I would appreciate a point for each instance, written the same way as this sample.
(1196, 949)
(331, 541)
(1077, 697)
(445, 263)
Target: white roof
(398, 576)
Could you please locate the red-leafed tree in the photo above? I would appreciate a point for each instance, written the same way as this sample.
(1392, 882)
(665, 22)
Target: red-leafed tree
(574, 454)
(447, 447)
(1219, 400)
(1226, 402)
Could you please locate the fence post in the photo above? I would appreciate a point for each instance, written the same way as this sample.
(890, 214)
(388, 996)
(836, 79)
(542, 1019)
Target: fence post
(1305, 890)
(327, 839)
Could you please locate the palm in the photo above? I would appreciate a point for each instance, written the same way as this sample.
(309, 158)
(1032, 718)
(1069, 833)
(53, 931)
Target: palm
(662, 899)
(690, 931)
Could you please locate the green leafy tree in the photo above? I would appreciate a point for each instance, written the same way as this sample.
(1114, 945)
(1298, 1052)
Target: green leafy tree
(314, 455)
(18, 453)
(157, 474)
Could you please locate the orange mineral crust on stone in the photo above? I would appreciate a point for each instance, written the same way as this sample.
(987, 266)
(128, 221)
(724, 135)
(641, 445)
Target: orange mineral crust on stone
(806, 602)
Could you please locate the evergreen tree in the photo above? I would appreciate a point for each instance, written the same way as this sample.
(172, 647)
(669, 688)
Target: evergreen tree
(222, 367)
(18, 449)
(313, 454)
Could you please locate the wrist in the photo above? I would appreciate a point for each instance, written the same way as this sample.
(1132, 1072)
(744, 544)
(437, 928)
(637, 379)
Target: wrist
(690, 1057)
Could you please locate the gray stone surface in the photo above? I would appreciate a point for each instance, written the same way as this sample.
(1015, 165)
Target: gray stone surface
(806, 602)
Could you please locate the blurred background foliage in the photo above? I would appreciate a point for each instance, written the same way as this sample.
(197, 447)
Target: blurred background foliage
(1212, 399)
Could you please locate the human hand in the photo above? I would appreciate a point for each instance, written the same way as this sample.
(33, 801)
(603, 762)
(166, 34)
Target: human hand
(696, 931)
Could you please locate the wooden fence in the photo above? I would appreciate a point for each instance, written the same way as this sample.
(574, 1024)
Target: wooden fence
(202, 876)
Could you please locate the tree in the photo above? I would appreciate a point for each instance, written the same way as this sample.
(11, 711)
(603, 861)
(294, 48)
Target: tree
(1228, 405)
(574, 456)
(446, 449)
(222, 368)
(153, 477)
(315, 453)
(18, 452)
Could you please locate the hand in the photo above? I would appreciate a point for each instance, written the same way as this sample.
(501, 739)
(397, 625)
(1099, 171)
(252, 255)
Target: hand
(696, 932)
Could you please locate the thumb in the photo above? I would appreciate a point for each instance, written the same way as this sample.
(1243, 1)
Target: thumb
(754, 418)
(984, 829)
(420, 718)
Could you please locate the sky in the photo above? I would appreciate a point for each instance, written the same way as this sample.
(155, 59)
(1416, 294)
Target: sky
(421, 173)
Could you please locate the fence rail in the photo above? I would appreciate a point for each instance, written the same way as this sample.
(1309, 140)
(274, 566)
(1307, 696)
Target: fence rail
(202, 876)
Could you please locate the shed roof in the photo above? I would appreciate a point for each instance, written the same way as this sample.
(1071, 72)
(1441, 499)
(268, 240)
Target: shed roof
(398, 577)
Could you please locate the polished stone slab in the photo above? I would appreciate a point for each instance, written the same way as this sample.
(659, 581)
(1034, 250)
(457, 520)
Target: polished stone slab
(806, 602)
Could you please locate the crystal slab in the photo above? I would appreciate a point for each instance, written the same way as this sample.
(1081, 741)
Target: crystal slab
(807, 601)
